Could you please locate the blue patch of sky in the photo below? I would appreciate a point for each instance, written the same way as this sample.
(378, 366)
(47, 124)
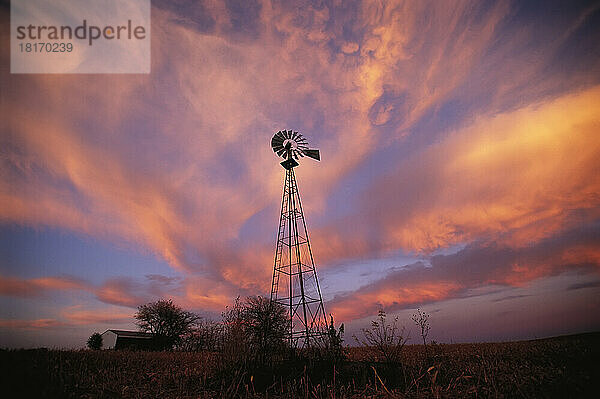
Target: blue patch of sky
(353, 274)
(31, 253)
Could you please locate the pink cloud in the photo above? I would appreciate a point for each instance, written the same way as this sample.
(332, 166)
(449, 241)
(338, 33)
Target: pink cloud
(178, 162)
(33, 287)
(112, 315)
(37, 324)
(475, 267)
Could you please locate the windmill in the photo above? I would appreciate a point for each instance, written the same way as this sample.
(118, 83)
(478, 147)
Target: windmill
(295, 284)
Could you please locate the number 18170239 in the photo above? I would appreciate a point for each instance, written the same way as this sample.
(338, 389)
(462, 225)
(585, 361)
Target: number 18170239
(46, 47)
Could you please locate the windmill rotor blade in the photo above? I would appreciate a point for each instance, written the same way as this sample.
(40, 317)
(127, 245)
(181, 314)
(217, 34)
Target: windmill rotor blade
(276, 149)
(277, 137)
(277, 140)
(281, 151)
(314, 154)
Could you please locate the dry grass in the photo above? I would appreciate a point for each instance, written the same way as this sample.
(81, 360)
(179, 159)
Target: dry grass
(557, 367)
(105, 374)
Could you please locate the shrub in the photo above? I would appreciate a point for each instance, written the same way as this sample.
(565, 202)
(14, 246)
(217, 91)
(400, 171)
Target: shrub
(95, 341)
(384, 340)
(253, 331)
(421, 319)
(206, 336)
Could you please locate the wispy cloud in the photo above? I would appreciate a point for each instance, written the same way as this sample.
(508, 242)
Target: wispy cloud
(580, 286)
(37, 324)
(38, 286)
(439, 124)
(510, 297)
(477, 265)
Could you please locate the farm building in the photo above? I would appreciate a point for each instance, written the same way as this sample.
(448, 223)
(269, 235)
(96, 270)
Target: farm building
(122, 339)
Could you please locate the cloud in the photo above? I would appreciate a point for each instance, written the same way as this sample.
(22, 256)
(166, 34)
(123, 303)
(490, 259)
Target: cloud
(72, 316)
(10, 286)
(37, 324)
(122, 291)
(115, 167)
(477, 265)
(515, 178)
(76, 315)
(481, 138)
(580, 286)
(129, 292)
(509, 297)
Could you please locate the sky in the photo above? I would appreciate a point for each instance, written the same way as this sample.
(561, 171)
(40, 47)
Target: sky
(459, 172)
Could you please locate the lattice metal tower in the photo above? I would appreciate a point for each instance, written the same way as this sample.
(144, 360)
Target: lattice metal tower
(295, 284)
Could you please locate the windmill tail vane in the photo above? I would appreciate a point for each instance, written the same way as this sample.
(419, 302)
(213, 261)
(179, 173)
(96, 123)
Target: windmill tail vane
(295, 284)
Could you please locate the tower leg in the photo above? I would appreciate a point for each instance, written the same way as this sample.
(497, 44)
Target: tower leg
(300, 292)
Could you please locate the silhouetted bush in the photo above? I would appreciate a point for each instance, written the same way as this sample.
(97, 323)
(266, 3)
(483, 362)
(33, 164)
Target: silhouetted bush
(384, 340)
(330, 346)
(421, 319)
(95, 341)
(266, 326)
(206, 336)
(253, 331)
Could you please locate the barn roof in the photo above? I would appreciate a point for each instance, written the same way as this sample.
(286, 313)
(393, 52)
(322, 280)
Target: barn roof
(129, 334)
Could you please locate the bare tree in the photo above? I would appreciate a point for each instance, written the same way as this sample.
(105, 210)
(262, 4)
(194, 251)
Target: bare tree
(384, 338)
(421, 319)
(234, 346)
(166, 321)
(205, 336)
(253, 331)
(266, 326)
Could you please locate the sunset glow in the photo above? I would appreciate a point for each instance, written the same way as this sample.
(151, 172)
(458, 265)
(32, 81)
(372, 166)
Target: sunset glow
(460, 169)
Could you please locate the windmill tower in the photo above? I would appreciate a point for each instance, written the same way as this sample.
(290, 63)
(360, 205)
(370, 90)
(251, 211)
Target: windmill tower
(295, 284)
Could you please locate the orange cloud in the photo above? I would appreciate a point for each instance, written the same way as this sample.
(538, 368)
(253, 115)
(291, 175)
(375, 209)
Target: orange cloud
(399, 61)
(122, 291)
(111, 315)
(77, 179)
(10, 286)
(477, 266)
(517, 177)
(205, 294)
(72, 316)
(178, 162)
(37, 324)
(361, 304)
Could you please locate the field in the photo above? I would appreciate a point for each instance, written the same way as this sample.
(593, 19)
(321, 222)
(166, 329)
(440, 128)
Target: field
(555, 367)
